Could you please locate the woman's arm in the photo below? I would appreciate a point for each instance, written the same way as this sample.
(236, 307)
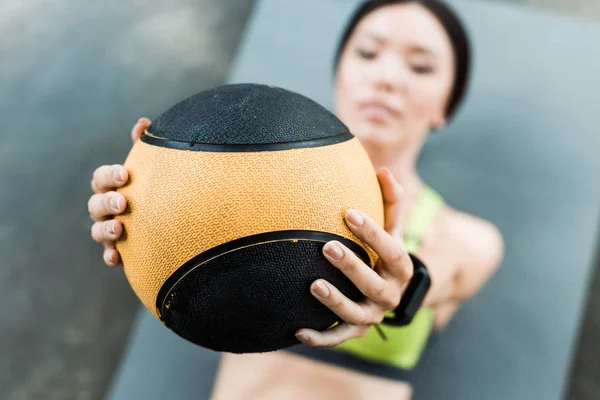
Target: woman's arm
(465, 253)
(461, 255)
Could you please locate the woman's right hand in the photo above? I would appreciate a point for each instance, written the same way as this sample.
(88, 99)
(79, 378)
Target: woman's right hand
(105, 203)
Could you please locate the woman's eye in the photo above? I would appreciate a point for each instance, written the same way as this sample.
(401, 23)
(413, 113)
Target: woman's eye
(366, 54)
(422, 69)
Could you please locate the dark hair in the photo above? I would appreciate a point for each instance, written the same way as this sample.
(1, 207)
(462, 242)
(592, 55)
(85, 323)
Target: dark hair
(451, 23)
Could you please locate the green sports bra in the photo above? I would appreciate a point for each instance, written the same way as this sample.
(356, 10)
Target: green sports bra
(404, 344)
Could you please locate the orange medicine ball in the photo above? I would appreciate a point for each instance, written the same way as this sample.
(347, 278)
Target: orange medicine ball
(233, 193)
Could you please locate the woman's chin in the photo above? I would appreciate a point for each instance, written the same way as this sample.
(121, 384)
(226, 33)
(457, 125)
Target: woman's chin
(377, 135)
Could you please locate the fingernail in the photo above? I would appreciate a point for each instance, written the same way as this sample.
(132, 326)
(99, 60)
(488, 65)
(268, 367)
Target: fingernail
(303, 337)
(334, 251)
(118, 176)
(321, 290)
(355, 218)
(114, 204)
(111, 227)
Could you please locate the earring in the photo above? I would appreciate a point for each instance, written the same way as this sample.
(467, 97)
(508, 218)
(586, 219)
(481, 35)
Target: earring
(439, 126)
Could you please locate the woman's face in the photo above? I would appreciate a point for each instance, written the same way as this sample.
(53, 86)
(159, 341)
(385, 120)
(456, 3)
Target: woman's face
(395, 76)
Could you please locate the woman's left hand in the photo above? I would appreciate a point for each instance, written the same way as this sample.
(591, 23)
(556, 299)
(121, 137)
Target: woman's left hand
(382, 286)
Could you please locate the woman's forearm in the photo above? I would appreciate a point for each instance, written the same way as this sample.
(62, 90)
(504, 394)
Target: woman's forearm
(460, 274)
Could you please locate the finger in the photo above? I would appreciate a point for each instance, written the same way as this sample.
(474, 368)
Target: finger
(393, 258)
(138, 129)
(393, 193)
(332, 337)
(368, 281)
(104, 205)
(111, 257)
(365, 313)
(109, 177)
(107, 231)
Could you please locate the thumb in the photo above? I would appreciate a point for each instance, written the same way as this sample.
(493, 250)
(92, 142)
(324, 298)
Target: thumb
(393, 195)
(138, 129)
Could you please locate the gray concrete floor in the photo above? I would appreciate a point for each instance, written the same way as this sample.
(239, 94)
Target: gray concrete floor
(74, 78)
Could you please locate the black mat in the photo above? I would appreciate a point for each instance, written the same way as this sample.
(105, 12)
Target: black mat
(523, 153)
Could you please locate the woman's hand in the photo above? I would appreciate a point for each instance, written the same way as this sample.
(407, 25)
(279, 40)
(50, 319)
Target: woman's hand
(106, 202)
(382, 286)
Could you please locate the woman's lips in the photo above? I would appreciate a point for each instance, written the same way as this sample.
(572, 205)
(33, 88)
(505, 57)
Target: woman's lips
(378, 112)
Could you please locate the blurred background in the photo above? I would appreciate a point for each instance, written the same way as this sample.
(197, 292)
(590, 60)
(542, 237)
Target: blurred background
(74, 77)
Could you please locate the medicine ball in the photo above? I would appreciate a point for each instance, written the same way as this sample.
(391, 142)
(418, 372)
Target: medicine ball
(232, 195)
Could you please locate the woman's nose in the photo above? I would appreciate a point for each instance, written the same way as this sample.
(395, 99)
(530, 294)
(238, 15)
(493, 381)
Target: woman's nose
(391, 75)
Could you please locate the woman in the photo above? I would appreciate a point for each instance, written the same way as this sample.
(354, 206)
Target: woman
(401, 71)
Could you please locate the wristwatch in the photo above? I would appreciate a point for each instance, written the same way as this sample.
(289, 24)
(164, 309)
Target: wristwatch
(413, 296)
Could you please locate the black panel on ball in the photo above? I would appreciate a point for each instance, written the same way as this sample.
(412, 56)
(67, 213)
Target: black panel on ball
(254, 298)
(247, 114)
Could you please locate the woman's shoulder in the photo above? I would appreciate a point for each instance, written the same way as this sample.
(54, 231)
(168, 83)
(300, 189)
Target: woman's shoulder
(476, 239)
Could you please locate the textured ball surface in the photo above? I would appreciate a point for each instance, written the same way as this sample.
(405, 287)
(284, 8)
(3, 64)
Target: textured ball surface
(232, 195)
(246, 114)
